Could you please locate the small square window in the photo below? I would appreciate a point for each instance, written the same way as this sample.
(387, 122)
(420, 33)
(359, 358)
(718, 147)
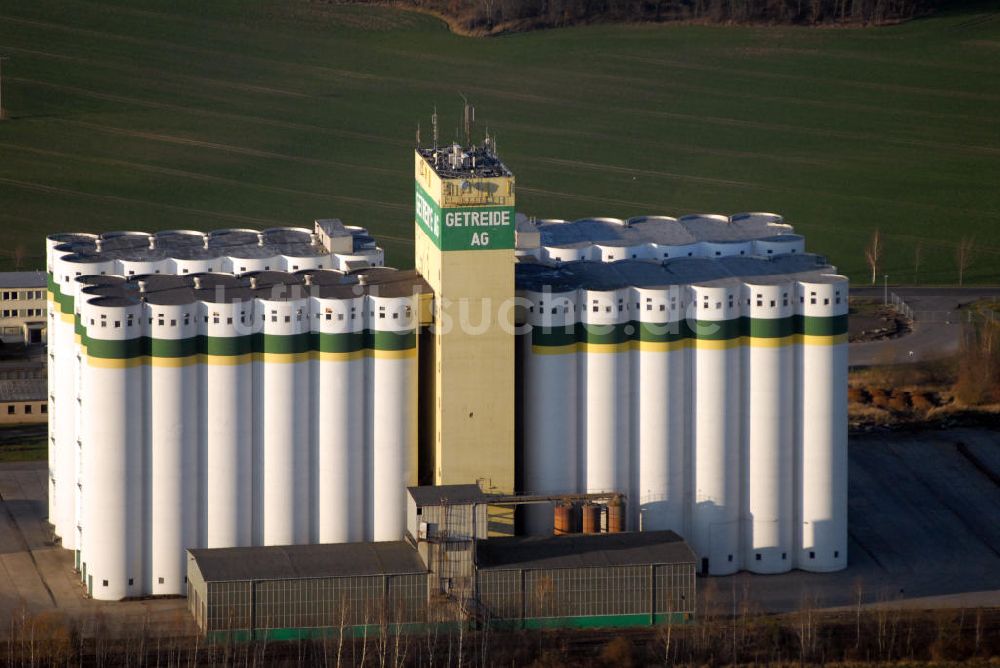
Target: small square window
(288, 318)
(104, 583)
(836, 554)
(10, 409)
(130, 582)
(45, 409)
(758, 556)
(27, 409)
(730, 557)
(784, 556)
(812, 555)
(160, 580)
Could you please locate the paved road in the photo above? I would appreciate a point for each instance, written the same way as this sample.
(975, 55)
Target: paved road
(937, 327)
(37, 576)
(922, 520)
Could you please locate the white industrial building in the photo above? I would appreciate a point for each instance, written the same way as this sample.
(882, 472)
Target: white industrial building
(242, 388)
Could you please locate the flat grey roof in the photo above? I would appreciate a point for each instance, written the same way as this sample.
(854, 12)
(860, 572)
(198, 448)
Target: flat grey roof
(678, 271)
(658, 229)
(22, 279)
(439, 495)
(285, 562)
(24, 389)
(583, 551)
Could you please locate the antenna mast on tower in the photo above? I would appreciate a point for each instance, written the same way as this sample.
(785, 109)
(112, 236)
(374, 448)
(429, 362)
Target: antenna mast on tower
(434, 126)
(469, 115)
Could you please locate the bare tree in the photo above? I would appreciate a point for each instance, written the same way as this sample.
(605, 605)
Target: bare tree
(918, 258)
(19, 253)
(873, 254)
(963, 256)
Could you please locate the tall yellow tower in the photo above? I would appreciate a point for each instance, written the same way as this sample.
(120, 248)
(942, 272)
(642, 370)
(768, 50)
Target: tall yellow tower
(465, 250)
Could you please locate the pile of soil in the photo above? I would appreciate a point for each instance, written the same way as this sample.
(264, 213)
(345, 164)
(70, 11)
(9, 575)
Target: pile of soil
(882, 322)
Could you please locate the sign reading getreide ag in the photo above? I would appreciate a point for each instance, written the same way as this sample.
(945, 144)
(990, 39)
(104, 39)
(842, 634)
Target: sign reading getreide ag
(465, 228)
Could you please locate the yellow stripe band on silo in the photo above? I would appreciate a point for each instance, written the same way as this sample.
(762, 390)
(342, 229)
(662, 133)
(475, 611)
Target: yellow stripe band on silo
(706, 334)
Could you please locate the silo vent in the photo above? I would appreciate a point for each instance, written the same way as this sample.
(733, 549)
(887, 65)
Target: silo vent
(308, 279)
(205, 241)
(253, 282)
(197, 283)
(142, 286)
(152, 242)
(98, 245)
(260, 238)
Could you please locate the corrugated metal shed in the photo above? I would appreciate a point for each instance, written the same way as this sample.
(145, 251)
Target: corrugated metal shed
(307, 561)
(583, 551)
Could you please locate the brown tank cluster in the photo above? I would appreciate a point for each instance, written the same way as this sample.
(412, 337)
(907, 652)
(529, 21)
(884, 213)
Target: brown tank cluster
(587, 517)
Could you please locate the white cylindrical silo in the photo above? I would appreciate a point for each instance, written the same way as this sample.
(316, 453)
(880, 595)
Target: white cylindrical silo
(174, 428)
(67, 267)
(718, 402)
(144, 265)
(660, 378)
(339, 422)
(603, 375)
(822, 456)
(195, 261)
(392, 322)
(228, 418)
(550, 402)
(62, 397)
(293, 263)
(112, 395)
(284, 465)
(770, 411)
(244, 265)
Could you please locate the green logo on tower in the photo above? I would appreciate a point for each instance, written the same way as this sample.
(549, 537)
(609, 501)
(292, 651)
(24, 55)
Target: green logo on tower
(465, 228)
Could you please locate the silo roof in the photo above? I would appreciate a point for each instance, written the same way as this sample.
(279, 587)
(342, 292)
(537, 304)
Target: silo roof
(178, 289)
(662, 230)
(194, 245)
(590, 275)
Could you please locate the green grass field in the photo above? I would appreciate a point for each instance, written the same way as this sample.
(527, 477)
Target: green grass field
(151, 115)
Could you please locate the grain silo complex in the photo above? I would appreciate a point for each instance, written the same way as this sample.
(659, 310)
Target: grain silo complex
(282, 387)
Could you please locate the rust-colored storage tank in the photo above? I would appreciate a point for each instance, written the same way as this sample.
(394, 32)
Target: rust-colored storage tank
(616, 515)
(591, 518)
(564, 519)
